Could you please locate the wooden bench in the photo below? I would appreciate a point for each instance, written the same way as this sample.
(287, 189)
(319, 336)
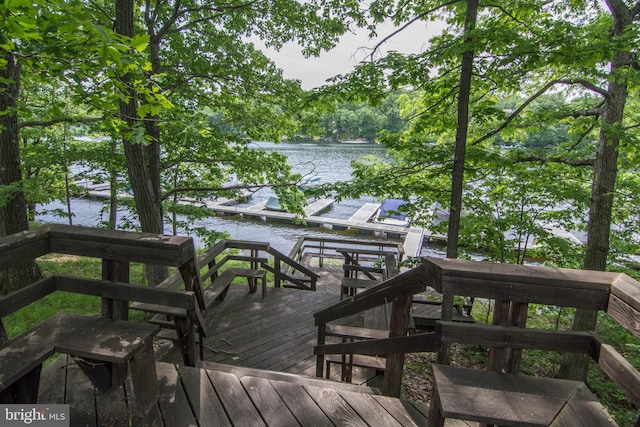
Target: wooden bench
(512, 400)
(220, 285)
(502, 395)
(105, 350)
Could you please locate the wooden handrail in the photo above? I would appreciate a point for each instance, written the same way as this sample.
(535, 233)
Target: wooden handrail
(327, 247)
(408, 283)
(416, 343)
(515, 337)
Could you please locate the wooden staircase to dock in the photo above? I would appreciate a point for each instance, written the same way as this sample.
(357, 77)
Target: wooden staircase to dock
(224, 395)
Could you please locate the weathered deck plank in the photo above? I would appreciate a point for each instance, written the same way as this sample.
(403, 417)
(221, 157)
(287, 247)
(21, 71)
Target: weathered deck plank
(222, 395)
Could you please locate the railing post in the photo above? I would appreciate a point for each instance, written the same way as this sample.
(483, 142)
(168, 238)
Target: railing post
(446, 313)
(277, 264)
(191, 277)
(322, 333)
(116, 271)
(398, 326)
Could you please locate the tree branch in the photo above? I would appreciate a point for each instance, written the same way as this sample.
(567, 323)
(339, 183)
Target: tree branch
(59, 120)
(563, 160)
(536, 95)
(413, 20)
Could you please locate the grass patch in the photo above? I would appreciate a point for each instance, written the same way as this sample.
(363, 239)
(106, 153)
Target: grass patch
(66, 265)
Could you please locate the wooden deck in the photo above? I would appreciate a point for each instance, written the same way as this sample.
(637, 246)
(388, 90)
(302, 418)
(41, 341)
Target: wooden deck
(276, 333)
(259, 370)
(220, 395)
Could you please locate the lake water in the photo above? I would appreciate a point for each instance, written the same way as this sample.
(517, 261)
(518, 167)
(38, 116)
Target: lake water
(330, 161)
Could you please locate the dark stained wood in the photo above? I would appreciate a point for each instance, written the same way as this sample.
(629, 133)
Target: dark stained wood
(583, 409)
(495, 398)
(121, 245)
(241, 372)
(111, 408)
(628, 290)
(552, 293)
(371, 362)
(400, 411)
(25, 296)
(398, 327)
(98, 338)
(26, 352)
(412, 343)
(25, 245)
(408, 283)
(439, 268)
(142, 371)
(115, 271)
(125, 292)
(186, 337)
(344, 331)
(104, 375)
(189, 396)
(53, 381)
(245, 325)
(192, 281)
(202, 397)
(508, 336)
(151, 418)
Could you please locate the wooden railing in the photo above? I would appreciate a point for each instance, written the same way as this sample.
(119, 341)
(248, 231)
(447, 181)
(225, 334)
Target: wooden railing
(398, 291)
(117, 249)
(512, 288)
(322, 248)
(285, 270)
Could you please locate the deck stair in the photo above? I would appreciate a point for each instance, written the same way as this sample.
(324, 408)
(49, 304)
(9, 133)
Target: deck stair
(224, 395)
(220, 269)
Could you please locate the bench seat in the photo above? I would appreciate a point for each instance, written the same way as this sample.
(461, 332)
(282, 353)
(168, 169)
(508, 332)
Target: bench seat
(512, 400)
(220, 285)
(115, 344)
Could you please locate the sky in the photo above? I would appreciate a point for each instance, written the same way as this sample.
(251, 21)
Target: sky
(352, 49)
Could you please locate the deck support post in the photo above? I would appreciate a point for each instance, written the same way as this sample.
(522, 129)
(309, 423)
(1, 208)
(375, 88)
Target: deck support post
(116, 271)
(398, 326)
(322, 334)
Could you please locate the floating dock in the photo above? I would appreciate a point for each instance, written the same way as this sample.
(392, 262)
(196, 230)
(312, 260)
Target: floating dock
(413, 237)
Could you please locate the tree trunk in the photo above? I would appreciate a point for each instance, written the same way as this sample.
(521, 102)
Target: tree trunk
(138, 163)
(464, 94)
(457, 176)
(13, 211)
(576, 366)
